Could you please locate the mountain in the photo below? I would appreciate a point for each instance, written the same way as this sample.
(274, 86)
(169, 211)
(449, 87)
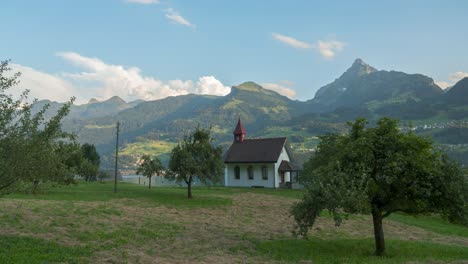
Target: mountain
(92, 109)
(170, 118)
(154, 127)
(363, 84)
(458, 94)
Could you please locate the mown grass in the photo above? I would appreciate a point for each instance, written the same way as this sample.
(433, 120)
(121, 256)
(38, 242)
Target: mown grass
(168, 196)
(18, 249)
(432, 223)
(286, 193)
(357, 251)
(87, 223)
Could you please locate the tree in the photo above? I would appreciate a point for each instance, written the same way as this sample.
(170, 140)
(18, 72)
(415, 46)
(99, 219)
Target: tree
(88, 170)
(149, 167)
(102, 175)
(90, 153)
(195, 156)
(380, 170)
(30, 146)
(89, 166)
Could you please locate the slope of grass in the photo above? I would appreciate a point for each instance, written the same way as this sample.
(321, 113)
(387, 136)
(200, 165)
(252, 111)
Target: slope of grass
(432, 223)
(150, 147)
(88, 223)
(358, 251)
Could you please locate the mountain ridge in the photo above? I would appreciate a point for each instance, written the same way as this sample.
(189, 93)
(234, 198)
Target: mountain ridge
(371, 93)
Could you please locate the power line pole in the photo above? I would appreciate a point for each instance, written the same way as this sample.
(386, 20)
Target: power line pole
(116, 156)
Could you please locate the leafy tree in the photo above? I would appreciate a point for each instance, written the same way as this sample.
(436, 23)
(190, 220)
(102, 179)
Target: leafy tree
(89, 166)
(380, 170)
(149, 167)
(30, 146)
(90, 153)
(102, 175)
(88, 170)
(196, 156)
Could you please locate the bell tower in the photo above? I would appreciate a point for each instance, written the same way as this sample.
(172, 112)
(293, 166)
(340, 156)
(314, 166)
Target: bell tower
(239, 132)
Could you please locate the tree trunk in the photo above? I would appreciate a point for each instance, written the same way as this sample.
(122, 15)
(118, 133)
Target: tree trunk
(189, 188)
(378, 231)
(149, 185)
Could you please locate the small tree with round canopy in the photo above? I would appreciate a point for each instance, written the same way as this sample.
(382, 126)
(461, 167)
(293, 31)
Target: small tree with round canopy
(380, 170)
(150, 167)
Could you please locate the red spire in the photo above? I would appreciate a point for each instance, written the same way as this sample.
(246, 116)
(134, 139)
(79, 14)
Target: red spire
(239, 132)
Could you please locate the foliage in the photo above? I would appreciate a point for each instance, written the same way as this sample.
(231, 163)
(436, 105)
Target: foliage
(380, 170)
(31, 148)
(196, 156)
(90, 153)
(89, 162)
(102, 175)
(149, 167)
(88, 170)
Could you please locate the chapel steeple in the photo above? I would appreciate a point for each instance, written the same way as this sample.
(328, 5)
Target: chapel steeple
(239, 132)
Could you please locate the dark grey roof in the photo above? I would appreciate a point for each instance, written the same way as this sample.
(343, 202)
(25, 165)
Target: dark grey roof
(265, 150)
(287, 166)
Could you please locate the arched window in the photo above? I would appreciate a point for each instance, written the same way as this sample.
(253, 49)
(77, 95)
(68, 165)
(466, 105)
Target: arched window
(250, 172)
(264, 172)
(237, 172)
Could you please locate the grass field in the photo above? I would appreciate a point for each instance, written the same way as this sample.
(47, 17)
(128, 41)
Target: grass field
(88, 223)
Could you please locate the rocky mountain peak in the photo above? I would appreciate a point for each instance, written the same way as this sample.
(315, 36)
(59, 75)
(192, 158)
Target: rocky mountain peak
(360, 68)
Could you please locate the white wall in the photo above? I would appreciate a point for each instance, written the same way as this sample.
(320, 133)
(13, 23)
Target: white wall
(283, 156)
(244, 178)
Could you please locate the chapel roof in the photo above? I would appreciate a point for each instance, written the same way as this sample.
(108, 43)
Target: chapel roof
(267, 150)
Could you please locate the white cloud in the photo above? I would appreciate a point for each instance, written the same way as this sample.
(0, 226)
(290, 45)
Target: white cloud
(130, 84)
(457, 76)
(42, 85)
(328, 49)
(453, 78)
(176, 18)
(291, 41)
(100, 80)
(443, 85)
(210, 85)
(144, 2)
(281, 89)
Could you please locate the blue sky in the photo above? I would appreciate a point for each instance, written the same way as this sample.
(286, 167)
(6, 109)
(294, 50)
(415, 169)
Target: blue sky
(151, 49)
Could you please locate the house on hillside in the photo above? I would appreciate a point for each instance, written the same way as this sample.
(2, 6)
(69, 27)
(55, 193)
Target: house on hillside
(262, 162)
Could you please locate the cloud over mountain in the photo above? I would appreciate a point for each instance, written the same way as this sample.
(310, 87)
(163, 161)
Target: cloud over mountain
(101, 80)
(452, 79)
(281, 88)
(42, 85)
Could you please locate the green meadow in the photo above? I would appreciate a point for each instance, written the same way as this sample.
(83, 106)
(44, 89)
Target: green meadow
(89, 223)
